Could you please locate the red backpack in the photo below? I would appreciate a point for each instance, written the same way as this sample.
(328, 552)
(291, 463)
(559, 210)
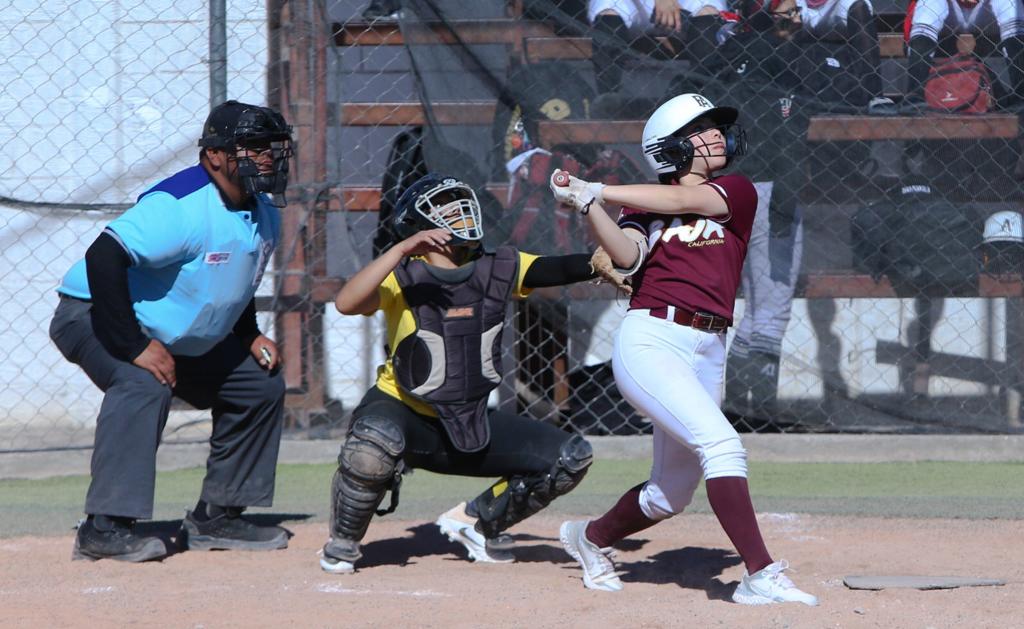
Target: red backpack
(959, 85)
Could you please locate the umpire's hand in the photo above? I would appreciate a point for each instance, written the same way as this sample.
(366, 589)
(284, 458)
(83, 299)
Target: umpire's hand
(265, 352)
(158, 361)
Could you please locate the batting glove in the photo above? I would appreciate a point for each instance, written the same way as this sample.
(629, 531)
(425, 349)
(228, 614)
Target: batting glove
(576, 193)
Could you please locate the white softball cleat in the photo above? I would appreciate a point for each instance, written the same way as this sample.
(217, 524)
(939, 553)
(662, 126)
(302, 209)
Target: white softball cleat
(769, 585)
(598, 569)
(459, 527)
(339, 556)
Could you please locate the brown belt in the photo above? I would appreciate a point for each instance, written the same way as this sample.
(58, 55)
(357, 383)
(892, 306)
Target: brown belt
(699, 320)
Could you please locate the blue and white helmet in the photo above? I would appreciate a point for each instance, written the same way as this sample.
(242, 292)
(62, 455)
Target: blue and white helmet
(439, 201)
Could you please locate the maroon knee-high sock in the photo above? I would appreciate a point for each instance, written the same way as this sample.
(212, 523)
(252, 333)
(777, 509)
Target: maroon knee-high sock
(730, 500)
(622, 520)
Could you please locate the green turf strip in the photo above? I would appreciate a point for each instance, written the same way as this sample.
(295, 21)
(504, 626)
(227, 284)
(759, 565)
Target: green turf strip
(927, 490)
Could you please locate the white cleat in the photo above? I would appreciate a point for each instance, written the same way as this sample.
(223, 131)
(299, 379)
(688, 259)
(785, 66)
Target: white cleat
(459, 527)
(769, 585)
(598, 569)
(339, 556)
(336, 566)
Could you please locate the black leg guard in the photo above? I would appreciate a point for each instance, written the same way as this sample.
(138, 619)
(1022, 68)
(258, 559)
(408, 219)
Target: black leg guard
(920, 52)
(765, 386)
(1013, 50)
(611, 43)
(509, 502)
(368, 465)
(863, 35)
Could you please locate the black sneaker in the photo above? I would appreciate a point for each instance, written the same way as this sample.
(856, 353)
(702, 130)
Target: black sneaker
(120, 543)
(913, 106)
(229, 531)
(383, 11)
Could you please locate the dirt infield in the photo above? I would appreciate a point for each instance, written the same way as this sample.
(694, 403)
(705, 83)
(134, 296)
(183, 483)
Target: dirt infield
(678, 574)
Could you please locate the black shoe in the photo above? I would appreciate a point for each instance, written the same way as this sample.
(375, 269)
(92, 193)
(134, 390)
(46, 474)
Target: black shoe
(913, 106)
(382, 11)
(229, 531)
(120, 543)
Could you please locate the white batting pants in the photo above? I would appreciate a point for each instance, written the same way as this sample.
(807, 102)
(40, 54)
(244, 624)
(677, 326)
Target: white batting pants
(673, 374)
(932, 16)
(637, 13)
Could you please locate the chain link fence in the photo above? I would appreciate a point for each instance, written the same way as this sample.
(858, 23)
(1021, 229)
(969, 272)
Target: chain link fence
(878, 297)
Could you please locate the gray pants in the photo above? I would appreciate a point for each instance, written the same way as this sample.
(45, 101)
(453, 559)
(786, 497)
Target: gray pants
(247, 406)
(767, 300)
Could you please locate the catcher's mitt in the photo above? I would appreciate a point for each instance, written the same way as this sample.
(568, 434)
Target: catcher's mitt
(602, 264)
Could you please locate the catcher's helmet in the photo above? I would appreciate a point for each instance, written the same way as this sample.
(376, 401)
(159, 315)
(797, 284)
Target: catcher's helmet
(439, 201)
(233, 125)
(1002, 243)
(670, 153)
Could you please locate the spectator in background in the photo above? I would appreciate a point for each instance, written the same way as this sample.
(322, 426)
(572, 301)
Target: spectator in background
(932, 25)
(763, 69)
(851, 23)
(620, 25)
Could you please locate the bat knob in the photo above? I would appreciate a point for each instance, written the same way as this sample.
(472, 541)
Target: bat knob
(561, 179)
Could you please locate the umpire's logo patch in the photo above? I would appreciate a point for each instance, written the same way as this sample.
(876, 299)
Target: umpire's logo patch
(218, 257)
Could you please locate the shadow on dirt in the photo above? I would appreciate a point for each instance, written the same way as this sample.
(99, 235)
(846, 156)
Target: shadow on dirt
(690, 568)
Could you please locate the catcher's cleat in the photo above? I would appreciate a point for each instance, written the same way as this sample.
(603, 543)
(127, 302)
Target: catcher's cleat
(598, 569)
(229, 531)
(769, 585)
(459, 527)
(339, 556)
(119, 543)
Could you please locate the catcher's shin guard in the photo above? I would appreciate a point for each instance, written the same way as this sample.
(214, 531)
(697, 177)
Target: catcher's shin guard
(369, 465)
(509, 502)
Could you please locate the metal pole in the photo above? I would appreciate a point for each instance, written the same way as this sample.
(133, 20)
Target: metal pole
(218, 53)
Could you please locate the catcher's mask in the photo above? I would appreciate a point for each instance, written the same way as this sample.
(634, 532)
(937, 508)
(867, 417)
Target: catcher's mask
(667, 142)
(245, 132)
(439, 201)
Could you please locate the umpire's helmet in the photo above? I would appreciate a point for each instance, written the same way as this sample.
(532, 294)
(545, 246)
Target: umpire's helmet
(439, 201)
(233, 125)
(668, 152)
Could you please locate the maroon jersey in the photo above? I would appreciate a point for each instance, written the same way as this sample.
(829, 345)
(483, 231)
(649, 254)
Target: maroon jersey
(695, 261)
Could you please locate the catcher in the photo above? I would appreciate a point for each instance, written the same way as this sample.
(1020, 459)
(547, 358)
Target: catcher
(444, 295)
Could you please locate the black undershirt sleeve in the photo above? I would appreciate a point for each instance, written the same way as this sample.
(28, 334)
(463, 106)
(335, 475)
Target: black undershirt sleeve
(246, 328)
(113, 318)
(558, 270)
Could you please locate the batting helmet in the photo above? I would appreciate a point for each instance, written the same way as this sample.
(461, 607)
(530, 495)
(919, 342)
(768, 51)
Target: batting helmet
(1002, 243)
(670, 153)
(439, 201)
(233, 125)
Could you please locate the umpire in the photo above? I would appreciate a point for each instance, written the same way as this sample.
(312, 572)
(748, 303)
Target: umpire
(163, 306)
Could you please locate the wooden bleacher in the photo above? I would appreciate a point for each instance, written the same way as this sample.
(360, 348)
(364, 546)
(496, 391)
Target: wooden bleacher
(536, 42)
(295, 86)
(810, 286)
(822, 128)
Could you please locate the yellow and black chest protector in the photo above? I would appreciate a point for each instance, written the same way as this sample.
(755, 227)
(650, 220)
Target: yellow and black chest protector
(453, 360)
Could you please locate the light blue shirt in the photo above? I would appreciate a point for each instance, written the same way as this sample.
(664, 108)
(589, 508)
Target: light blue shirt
(195, 263)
